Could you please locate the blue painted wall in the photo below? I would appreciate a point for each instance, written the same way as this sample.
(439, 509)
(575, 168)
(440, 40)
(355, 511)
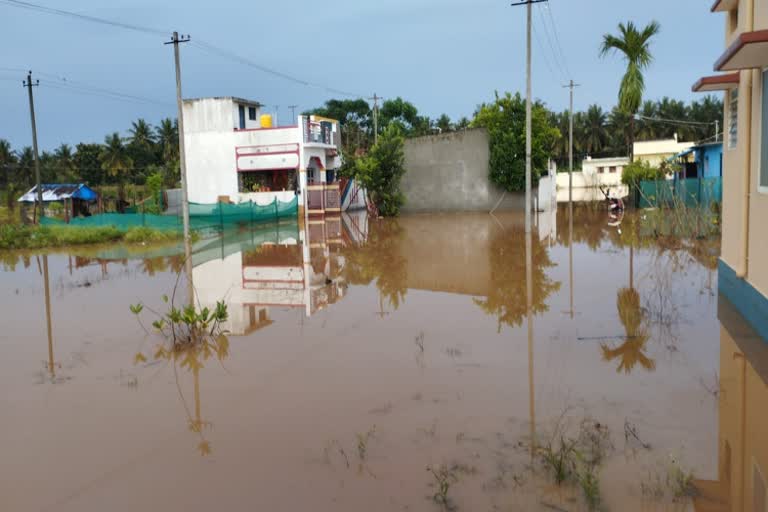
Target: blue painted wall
(752, 304)
(709, 158)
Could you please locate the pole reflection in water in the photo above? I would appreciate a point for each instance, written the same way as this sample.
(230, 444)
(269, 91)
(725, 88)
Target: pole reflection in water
(529, 309)
(51, 364)
(570, 251)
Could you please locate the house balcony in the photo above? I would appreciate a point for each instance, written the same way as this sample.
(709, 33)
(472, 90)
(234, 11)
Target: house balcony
(749, 50)
(320, 132)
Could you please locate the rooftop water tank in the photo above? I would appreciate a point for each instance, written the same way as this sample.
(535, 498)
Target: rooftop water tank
(266, 120)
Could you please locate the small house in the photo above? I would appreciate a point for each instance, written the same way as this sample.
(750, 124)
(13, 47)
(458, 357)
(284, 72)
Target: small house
(75, 198)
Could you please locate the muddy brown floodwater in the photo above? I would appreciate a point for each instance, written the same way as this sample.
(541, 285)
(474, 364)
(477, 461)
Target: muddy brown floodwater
(360, 354)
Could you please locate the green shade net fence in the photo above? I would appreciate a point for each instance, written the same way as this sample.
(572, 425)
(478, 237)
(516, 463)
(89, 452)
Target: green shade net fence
(690, 191)
(203, 218)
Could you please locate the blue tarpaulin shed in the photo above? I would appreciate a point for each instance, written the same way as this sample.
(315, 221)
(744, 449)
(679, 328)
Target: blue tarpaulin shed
(60, 192)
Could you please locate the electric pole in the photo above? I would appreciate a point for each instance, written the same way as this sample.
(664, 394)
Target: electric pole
(175, 40)
(717, 130)
(571, 85)
(277, 115)
(528, 110)
(29, 84)
(293, 108)
(375, 117)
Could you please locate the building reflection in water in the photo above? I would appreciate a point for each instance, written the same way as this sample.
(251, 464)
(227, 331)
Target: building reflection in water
(743, 420)
(288, 267)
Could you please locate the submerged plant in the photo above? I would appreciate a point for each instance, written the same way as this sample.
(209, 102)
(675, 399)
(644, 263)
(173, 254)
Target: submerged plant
(444, 477)
(590, 485)
(362, 442)
(561, 460)
(188, 325)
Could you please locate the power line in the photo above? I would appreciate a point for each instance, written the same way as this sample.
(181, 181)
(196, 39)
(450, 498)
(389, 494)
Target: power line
(221, 52)
(548, 8)
(84, 17)
(555, 56)
(674, 121)
(81, 88)
(227, 54)
(544, 56)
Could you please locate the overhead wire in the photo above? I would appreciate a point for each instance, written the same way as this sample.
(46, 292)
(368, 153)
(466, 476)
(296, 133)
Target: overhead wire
(203, 45)
(548, 8)
(79, 87)
(544, 56)
(674, 121)
(84, 17)
(556, 58)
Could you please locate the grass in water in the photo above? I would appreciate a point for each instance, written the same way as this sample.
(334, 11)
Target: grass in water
(17, 236)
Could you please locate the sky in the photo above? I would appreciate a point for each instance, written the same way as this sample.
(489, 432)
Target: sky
(444, 56)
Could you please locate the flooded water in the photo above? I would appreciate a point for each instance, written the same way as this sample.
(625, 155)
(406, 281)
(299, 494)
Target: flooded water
(369, 363)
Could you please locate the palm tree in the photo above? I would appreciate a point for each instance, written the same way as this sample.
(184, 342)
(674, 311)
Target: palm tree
(8, 172)
(634, 44)
(141, 134)
(168, 139)
(649, 130)
(65, 163)
(618, 121)
(595, 129)
(116, 163)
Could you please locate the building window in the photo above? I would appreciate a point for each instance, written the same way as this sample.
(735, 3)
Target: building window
(251, 113)
(733, 118)
(763, 184)
(241, 115)
(612, 169)
(600, 170)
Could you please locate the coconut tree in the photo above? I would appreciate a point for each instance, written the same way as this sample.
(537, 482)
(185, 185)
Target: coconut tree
(634, 45)
(167, 136)
(8, 176)
(65, 163)
(141, 134)
(595, 129)
(116, 162)
(619, 139)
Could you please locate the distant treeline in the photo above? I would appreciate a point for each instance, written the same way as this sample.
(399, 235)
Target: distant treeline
(597, 132)
(153, 150)
(146, 152)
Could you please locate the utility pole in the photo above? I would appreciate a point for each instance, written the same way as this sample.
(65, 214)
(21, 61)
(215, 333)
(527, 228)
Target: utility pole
(528, 110)
(29, 84)
(571, 85)
(293, 108)
(277, 115)
(717, 130)
(375, 117)
(175, 40)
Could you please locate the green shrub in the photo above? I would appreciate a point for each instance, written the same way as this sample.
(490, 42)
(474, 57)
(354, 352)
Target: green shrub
(639, 171)
(18, 236)
(144, 234)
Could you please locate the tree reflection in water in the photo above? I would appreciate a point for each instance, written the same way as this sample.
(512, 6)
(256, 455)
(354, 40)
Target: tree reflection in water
(192, 358)
(379, 257)
(506, 298)
(632, 351)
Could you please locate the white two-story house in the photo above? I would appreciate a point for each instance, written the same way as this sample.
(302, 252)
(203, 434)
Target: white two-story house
(235, 154)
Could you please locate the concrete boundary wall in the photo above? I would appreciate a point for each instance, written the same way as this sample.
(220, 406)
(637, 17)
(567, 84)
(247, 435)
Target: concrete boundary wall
(449, 172)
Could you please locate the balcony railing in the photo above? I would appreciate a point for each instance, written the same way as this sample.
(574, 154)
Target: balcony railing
(319, 132)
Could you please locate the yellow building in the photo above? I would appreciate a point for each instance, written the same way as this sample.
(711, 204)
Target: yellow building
(743, 269)
(656, 151)
(743, 425)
